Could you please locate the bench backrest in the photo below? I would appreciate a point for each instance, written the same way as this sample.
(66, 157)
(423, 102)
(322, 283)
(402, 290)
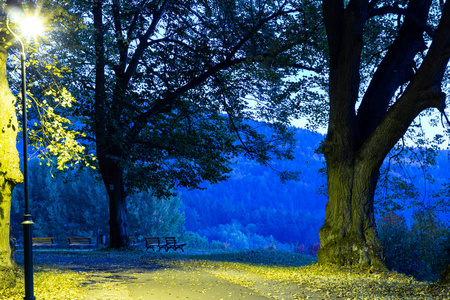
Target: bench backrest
(79, 240)
(39, 241)
(171, 240)
(152, 240)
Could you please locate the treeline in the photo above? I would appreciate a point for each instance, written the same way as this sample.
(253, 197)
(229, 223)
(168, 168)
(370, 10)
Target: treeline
(251, 209)
(79, 207)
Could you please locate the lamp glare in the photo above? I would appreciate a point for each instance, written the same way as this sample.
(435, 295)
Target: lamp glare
(31, 26)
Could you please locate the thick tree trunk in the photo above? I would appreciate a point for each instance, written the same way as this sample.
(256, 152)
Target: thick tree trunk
(348, 236)
(445, 276)
(112, 175)
(9, 170)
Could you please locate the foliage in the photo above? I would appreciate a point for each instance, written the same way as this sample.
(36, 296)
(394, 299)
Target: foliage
(408, 174)
(237, 236)
(195, 241)
(150, 216)
(420, 251)
(313, 249)
(51, 130)
(60, 208)
(169, 111)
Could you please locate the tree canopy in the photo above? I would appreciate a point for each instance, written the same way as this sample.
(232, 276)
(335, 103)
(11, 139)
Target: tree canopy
(166, 88)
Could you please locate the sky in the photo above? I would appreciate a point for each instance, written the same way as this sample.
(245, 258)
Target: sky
(430, 131)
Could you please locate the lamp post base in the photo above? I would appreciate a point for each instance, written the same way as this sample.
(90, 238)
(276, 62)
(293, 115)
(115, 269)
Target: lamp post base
(28, 256)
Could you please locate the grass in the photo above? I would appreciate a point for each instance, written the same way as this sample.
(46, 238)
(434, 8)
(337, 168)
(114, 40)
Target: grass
(275, 274)
(53, 283)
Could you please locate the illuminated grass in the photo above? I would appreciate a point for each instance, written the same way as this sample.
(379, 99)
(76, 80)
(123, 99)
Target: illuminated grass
(50, 283)
(316, 280)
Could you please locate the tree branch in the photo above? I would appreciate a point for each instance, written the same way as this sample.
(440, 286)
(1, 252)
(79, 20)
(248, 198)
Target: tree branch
(143, 43)
(121, 42)
(400, 11)
(395, 69)
(100, 93)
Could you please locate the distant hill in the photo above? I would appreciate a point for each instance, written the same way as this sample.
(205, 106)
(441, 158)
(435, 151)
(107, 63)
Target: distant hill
(253, 190)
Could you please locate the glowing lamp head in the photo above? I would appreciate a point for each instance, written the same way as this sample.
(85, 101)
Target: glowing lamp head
(29, 25)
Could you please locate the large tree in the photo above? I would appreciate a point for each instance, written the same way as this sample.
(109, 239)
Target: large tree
(165, 88)
(10, 174)
(404, 83)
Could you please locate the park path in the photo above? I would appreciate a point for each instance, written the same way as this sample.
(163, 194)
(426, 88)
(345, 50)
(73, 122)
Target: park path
(138, 277)
(193, 283)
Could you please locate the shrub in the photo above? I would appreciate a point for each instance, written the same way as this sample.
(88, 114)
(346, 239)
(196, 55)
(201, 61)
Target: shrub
(313, 249)
(420, 251)
(194, 240)
(300, 249)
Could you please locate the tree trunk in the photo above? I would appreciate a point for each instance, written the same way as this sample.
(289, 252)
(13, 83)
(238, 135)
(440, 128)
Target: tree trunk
(108, 155)
(445, 276)
(348, 236)
(112, 175)
(10, 174)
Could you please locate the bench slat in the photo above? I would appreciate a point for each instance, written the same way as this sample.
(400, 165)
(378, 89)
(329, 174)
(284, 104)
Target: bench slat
(80, 242)
(46, 242)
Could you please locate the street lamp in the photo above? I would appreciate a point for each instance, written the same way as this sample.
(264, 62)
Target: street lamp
(28, 25)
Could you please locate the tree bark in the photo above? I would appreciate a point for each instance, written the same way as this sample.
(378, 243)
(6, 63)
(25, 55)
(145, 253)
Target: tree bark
(10, 174)
(348, 236)
(445, 276)
(112, 175)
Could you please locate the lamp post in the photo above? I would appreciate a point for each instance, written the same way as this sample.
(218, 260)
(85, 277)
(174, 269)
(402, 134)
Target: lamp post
(27, 221)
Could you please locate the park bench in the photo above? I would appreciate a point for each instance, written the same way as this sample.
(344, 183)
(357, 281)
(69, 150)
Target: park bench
(80, 242)
(44, 242)
(153, 242)
(171, 243)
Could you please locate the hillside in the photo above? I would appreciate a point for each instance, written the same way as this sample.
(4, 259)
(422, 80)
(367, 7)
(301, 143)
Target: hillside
(293, 211)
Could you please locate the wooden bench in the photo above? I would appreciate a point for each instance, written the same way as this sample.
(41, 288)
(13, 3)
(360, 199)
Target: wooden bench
(44, 242)
(80, 242)
(153, 242)
(171, 243)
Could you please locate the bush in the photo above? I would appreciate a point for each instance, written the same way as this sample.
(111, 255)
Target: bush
(419, 251)
(194, 240)
(300, 249)
(313, 249)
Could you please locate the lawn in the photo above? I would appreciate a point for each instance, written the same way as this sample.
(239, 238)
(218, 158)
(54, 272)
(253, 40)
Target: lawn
(274, 274)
